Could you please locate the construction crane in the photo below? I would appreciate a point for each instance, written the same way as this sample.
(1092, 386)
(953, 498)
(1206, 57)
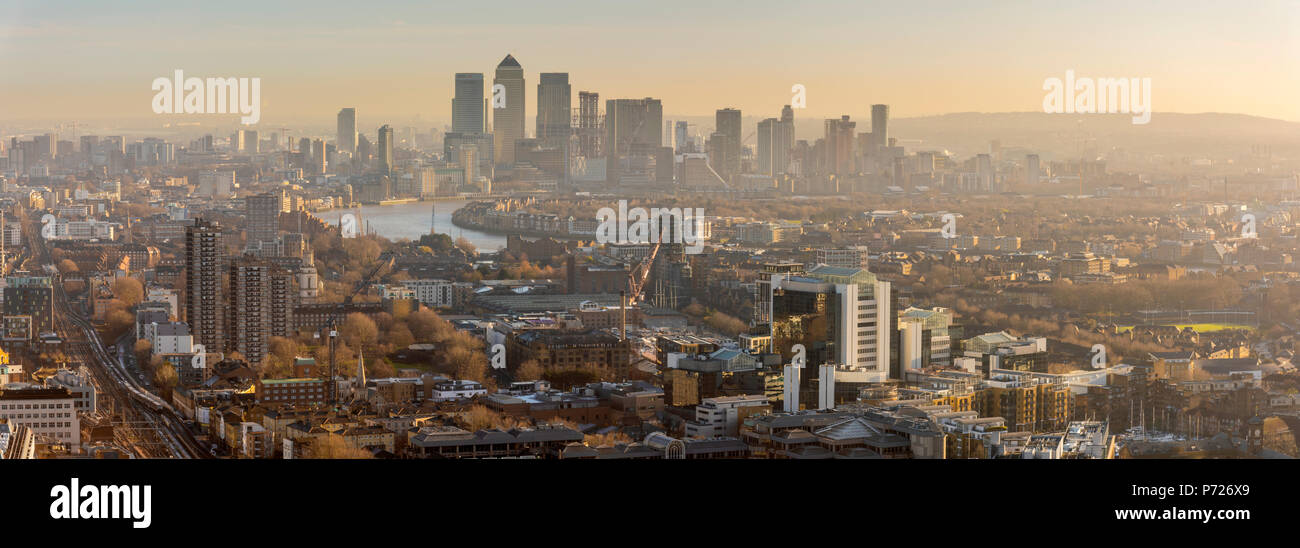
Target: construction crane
(636, 280)
(384, 261)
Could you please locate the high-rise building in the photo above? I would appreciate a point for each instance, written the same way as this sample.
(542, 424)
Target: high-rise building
(555, 113)
(783, 142)
(680, 144)
(590, 125)
(633, 131)
(385, 149)
(467, 105)
(508, 120)
(262, 298)
(1032, 170)
(840, 315)
(984, 172)
(880, 125)
(839, 146)
(205, 299)
(31, 296)
(554, 106)
(318, 156)
(727, 122)
(347, 131)
(262, 215)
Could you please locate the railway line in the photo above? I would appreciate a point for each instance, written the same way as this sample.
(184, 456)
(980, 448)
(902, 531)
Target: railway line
(149, 426)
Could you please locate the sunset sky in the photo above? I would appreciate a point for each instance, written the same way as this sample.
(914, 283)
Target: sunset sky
(88, 60)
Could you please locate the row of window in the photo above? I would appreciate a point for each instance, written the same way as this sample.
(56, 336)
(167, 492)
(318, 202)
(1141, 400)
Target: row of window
(35, 406)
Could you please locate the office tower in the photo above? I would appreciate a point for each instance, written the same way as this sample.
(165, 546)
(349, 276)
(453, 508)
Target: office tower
(633, 131)
(763, 287)
(467, 106)
(1032, 170)
(508, 121)
(318, 156)
(364, 151)
(205, 296)
(555, 113)
(31, 296)
(554, 106)
(839, 146)
(385, 159)
(46, 147)
(766, 143)
(727, 122)
(880, 125)
(262, 298)
(347, 131)
(304, 154)
(680, 146)
(244, 140)
(252, 143)
(783, 142)
(984, 172)
(262, 216)
(590, 125)
(841, 315)
(480, 149)
(925, 337)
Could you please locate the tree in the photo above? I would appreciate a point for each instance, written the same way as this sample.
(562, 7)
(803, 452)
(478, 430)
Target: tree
(466, 246)
(67, 266)
(128, 290)
(359, 330)
(143, 350)
(400, 336)
(283, 348)
(118, 321)
(164, 377)
(530, 370)
(333, 446)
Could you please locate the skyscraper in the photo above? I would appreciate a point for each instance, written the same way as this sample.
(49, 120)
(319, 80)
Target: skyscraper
(880, 125)
(347, 131)
(1032, 170)
(633, 131)
(467, 105)
(262, 298)
(783, 142)
(727, 122)
(679, 138)
(590, 125)
(839, 146)
(845, 313)
(385, 149)
(262, 216)
(205, 300)
(554, 106)
(766, 143)
(508, 120)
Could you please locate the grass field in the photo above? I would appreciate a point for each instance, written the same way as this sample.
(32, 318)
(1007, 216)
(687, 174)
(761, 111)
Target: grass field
(1201, 327)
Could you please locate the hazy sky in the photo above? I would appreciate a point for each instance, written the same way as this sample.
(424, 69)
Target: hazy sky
(88, 60)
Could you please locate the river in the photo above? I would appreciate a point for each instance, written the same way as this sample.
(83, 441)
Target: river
(411, 220)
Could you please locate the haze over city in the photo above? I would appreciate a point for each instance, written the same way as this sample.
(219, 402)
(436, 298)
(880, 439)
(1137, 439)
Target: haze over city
(424, 233)
(395, 61)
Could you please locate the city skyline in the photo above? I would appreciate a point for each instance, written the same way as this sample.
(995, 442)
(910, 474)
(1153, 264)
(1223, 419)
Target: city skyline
(400, 64)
